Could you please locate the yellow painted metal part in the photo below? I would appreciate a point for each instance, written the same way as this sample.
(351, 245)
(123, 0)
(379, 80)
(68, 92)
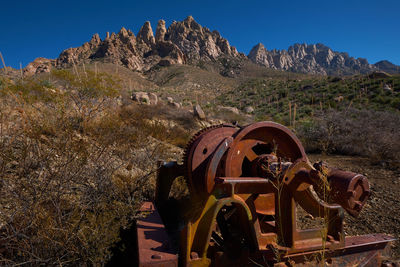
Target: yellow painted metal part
(197, 232)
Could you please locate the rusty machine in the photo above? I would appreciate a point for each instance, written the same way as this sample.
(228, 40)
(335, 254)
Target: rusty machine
(247, 185)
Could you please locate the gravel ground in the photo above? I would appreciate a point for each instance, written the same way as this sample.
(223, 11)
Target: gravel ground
(381, 214)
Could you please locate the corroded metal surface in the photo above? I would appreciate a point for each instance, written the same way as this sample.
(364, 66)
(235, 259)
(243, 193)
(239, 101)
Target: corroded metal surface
(198, 153)
(246, 185)
(153, 242)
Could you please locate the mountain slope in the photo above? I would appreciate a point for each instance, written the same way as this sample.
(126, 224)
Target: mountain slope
(387, 66)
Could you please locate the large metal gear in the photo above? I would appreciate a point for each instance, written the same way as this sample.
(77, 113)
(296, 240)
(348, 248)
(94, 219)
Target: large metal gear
(258, 139)
(199, 150)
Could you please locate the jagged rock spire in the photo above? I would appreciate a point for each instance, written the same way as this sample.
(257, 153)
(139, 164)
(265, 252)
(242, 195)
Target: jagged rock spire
(145, 34)
(192, 24)
(161, 30)
(95, 39)
(256, 50)
(123, 32)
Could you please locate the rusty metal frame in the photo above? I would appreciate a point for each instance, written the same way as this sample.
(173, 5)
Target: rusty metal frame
(215, 155)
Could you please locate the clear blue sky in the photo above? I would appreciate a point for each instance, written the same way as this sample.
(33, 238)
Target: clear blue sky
(43, 28)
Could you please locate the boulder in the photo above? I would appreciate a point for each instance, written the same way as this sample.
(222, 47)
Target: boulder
(141, 97)
(198, 112)
(153, 98)
(229, 109)
(174, 104)
(170, 100)
(387, 87)
(39, 65)
(249, 110)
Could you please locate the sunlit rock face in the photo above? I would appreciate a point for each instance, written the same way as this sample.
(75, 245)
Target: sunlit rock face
(314, 59)
(187, 42)
(183, 42)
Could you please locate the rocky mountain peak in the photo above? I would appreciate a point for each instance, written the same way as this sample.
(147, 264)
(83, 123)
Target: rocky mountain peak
(192, 24)
(198, 42)
(257, 50)
(183, 42)
(260, 46)
(387, 66)
(189, 19)
(123, 33)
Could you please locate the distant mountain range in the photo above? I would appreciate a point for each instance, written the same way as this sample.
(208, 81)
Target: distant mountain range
(187, 42)
(315, 59)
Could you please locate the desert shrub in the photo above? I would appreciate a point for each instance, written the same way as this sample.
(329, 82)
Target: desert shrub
(34, 90)
(231, 117)
(74, 170)
(161, 122)
(396, 103)
(2, 82)
(374, 134)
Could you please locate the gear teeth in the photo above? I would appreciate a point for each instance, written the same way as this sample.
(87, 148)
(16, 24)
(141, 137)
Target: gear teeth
(198, 134)
(190, 144)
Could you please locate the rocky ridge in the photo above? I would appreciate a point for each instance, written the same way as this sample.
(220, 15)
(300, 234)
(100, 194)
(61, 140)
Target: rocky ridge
(183, 42)
(313, 58)
(187, 42)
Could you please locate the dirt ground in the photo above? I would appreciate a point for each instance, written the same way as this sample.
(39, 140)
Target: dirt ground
(381, 214)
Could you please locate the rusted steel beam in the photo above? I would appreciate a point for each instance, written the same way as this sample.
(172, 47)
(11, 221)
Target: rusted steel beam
(154, 246)
(366, 250)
